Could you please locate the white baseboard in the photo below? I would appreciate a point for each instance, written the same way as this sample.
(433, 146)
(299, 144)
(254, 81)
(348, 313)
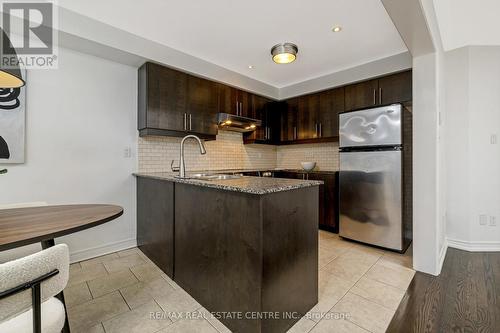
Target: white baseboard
(442, 255)
(102, 250)
(481, 246)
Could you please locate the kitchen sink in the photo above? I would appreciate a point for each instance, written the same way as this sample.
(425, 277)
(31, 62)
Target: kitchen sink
(212, 176)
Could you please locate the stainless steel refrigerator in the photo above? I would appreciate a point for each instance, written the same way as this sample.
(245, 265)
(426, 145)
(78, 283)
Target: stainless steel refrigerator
(375, 180)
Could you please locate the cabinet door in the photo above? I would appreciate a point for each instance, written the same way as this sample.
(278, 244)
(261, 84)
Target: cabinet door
(289, 120)
(307, 116)
(155, 221)
(227, 99)
(328, 201)
(258, 111)
(202, 106)
(274, 111)
(166, 98)
(331, 103)
(361, 95)
(245, 103)
(395, 88)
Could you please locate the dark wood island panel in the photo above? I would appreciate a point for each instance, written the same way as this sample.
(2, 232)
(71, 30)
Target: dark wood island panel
(155, 221)
(250, 254)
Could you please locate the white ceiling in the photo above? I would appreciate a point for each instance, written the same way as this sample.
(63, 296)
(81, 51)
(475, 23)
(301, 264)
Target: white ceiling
(468, 23)
(235, 34)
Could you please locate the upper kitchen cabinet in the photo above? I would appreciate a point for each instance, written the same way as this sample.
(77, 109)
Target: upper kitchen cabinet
(234, 101)
(173, 103)
(361, 95)
(313, 117)
(267, 111)
(307, 114)
(202, 105)
(161, 99)
(227, 99)
(395, 88)
(331, 103)
(289, 120)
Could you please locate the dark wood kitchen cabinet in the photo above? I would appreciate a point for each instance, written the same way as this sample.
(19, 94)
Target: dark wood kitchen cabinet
(234, 101)
(268, 112)
(328, 195)
(155, 221)
(161, 98)
(312, 118)
(361, 95)
(307, 114)
(394, 88)
(202, 106)
(331, 103)
(174, 103)
(289, 121)
(328, 200)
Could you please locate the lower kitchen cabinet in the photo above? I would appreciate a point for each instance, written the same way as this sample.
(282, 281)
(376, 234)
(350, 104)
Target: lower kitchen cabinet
(328, 195)
(328, 200)
(155, 221)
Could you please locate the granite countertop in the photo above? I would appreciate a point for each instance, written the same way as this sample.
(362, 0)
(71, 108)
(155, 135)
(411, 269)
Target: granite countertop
(245, 184)
(234, 171)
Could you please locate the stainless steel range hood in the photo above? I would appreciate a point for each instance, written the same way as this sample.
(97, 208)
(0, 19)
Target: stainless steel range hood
(231, 122)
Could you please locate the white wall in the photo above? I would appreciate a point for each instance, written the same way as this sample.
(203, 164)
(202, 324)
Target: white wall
(465, 23)
(473, 99)
(79, 120)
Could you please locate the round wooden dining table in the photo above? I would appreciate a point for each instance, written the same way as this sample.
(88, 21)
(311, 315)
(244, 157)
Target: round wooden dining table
(23, 226)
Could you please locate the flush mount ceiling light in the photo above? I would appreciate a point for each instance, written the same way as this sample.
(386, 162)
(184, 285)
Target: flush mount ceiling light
(337, 28)
(284, 53)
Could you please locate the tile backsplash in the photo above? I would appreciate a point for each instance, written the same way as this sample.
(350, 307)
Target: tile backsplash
(326, 156)
(227, 152)
(155, 154)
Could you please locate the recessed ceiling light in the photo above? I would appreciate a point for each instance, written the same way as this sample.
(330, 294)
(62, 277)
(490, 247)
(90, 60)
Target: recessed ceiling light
(250, 66)
(284, 53)
(337, 28)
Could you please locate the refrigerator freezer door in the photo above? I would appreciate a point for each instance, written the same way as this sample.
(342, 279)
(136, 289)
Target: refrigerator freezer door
(372, 127)
(371, 197)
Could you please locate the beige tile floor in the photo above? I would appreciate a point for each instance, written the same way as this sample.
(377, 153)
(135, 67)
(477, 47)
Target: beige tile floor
(360, 288)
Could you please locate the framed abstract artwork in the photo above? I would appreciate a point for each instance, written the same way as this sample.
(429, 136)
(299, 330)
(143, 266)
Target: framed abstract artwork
(12, 123)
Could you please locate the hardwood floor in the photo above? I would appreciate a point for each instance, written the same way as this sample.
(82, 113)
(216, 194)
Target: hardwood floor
(464, 298)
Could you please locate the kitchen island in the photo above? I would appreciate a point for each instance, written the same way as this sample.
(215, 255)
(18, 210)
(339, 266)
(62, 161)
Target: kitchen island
(246, 248)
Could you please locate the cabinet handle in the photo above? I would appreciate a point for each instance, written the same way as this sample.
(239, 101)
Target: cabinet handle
(374, 96)
(379, 95)
(320, 130)
(316, 129)
(295, 132)
(185, 121)
(190, 122)
(237, 113)
(241, 108)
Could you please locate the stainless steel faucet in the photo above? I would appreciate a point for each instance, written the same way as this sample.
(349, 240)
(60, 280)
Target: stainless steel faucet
(182, 165)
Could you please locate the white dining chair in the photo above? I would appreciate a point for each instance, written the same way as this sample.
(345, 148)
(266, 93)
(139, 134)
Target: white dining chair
(22, 251)
(27, 289)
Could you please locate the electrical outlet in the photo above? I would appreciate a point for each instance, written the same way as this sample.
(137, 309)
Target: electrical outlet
(127, 152)
(493, 221)
(493, 139)
(483, 219)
